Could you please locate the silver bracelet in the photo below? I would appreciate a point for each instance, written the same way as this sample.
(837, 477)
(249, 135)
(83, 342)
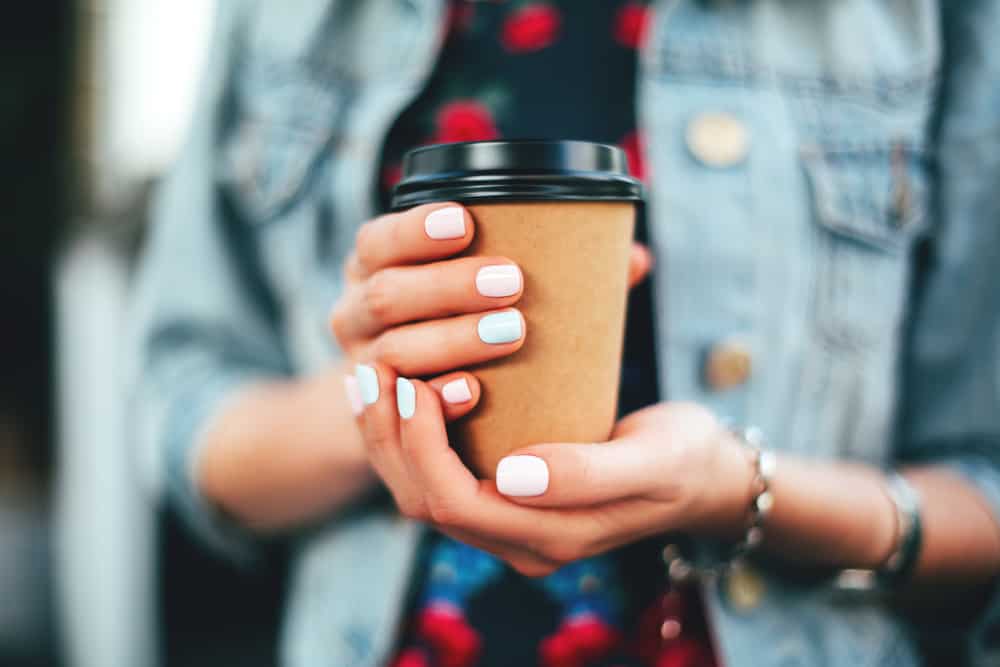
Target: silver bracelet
(763, 460)
(906, 545)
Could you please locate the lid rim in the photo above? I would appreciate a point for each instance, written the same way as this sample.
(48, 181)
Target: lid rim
(530, 170)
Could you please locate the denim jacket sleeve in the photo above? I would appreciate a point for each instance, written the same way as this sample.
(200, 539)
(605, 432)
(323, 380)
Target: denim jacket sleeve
(951, 413)
(204, 324)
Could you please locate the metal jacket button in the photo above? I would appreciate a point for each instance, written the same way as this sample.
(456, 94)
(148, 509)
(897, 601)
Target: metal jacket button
(727, 365)
(718, 139)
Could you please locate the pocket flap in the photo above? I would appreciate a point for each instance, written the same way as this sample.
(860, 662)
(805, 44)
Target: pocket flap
(284, 122)
(875, 195)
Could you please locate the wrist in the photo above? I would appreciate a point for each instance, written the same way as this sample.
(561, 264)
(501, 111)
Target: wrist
(728, 492)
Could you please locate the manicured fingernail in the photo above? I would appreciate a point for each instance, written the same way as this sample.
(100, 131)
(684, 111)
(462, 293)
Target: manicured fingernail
(353, 394)
(406, 398)
(367, 383)
(498, 328)
(457, 391)
(497, 281)
(522, 476)
(445, 223)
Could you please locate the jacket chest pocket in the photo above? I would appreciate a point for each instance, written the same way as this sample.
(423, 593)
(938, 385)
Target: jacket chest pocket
(870, 205)
(284, 126)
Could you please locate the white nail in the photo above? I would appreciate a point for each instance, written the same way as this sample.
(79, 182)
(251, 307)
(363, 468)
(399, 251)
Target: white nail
(457, 391)
(353, 392)
(445, 223)
(498, 281)
(522, 476)
(367, 383)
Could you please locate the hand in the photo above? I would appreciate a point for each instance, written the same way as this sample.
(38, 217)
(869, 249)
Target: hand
(409, 306)
(671, 467)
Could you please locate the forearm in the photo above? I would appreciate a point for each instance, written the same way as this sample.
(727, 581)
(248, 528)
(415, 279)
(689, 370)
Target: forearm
(838, 514)
(284, 453)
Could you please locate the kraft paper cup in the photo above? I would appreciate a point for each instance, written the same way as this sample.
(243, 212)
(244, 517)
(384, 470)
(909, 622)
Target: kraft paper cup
(565, 213)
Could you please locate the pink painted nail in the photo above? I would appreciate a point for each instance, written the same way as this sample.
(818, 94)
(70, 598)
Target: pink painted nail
(445, 223)
(522, 476)
(457, 391)
(353, 394)
(496, 281)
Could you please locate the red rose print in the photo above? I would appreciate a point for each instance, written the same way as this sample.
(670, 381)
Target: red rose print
(455, 643)
(631, 143)
(685, 653)
(559, 650)
(412, 658)
(630, 24)
(465, 120)
(531, 28)
(578, 642)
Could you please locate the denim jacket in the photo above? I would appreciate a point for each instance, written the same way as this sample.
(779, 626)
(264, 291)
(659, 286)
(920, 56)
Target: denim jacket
(851, 244)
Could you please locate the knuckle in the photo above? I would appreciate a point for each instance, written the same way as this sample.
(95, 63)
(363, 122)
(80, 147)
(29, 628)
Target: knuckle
(378, 297)
(411, 509)
(531, 568)
(338, 324)
(365, 243)
(385, 349)
(379, 437)
(562, 552)
(581, 466)
(443, 514)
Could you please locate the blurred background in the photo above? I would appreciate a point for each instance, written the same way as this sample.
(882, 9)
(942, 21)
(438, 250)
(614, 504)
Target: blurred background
(95, 97)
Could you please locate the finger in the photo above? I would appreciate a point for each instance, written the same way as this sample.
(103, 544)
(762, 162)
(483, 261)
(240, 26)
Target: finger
(375, 408)
(437, 346)
(425, 448)
(429, 291)
(459, 393)
(420, 234)
(576, 475)
(640, 263)
(525, 562)
(454, 498)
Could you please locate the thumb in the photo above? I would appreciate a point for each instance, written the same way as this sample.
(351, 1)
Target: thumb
(573, 475)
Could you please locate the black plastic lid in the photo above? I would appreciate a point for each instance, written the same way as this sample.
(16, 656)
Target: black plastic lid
(515, 171)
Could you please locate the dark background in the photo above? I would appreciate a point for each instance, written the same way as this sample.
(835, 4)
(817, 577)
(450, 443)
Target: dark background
(210, 613)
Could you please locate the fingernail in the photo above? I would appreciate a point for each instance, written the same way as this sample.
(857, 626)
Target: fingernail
(367, 383)
(406, 398)
(457, 391)
(522, 476)
(445, 223)
(499, 328)
(497, 281)
(353, 394)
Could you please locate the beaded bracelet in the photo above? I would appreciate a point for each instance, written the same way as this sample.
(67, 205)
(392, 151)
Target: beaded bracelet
(763, 460)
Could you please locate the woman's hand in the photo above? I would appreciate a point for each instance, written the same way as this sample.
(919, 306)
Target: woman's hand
(410, 306)
(671, 467)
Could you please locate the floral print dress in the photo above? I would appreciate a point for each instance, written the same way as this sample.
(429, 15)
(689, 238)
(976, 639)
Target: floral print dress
(543, 70)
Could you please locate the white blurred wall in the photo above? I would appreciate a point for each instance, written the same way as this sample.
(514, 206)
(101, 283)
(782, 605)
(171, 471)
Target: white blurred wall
(147, 62)
(146, 57)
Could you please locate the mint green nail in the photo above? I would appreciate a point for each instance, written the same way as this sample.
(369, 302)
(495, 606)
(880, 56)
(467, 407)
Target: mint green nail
(500, 328)
(367, 383)
(406, 398)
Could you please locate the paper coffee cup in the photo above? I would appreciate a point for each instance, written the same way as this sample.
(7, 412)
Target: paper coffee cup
(565, 213)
